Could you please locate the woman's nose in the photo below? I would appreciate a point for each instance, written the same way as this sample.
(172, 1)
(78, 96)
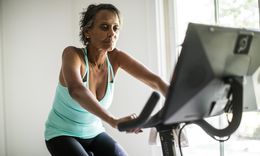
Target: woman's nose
(111, 33)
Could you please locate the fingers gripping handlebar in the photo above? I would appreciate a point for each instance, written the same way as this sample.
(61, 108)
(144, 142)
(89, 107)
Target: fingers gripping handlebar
(144, 115)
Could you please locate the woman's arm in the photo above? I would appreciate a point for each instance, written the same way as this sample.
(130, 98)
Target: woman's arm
(138, 70)
(71, 64)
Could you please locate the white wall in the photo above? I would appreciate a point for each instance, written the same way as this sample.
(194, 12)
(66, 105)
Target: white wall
(2, 127)
(34, 35)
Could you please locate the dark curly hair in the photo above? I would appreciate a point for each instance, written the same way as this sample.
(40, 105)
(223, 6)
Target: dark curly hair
(88, 17)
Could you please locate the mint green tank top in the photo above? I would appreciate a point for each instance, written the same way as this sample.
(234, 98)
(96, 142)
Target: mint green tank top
(68, 118)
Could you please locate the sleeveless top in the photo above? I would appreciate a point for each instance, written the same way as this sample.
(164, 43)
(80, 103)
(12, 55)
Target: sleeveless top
(68, 118)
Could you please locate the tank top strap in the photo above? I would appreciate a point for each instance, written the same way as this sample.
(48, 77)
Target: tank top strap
(85, 51)
(110, 68)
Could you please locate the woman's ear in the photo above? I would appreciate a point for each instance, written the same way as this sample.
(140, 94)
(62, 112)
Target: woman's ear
(86, 34)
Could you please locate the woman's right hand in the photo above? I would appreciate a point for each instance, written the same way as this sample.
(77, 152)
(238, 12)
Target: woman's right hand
(124, 119)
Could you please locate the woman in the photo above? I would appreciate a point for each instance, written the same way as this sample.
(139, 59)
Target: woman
(85, 88)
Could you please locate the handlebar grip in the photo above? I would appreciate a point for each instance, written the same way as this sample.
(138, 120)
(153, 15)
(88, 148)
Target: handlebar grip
(144, 115)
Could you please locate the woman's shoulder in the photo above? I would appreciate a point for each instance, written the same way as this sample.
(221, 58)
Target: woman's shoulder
(120, 55)
(71, 52)
(116, 53)
(72, 49)
(114, 57)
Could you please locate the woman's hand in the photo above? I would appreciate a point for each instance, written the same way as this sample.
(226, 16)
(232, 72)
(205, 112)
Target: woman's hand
(124, 119)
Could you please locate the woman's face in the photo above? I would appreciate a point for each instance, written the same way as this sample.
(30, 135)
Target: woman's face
(105, 31)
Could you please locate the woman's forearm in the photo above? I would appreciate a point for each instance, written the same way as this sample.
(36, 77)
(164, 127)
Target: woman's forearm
(87, 100)
(163, 86)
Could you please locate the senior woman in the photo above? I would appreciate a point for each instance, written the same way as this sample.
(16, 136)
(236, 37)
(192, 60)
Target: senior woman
(85, 88)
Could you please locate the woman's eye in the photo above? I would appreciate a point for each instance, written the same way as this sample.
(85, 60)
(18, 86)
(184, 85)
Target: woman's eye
(116, 28)
(104, 27)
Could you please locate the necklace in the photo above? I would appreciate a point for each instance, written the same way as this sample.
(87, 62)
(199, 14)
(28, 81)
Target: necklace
(94, 63)
(99, 66)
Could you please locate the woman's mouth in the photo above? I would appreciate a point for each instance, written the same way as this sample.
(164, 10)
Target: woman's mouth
(108, 41)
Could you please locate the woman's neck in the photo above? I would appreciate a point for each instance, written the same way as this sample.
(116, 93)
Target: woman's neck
(96, 57)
